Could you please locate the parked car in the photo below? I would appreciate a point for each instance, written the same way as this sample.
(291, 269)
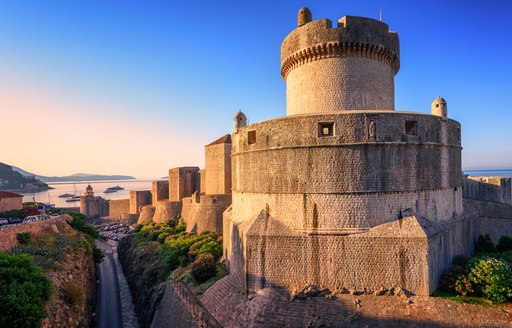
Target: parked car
(30, 219)
(15, 220)
(3, 221)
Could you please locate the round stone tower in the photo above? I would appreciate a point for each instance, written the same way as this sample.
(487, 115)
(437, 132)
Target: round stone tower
(350, 67)
(338, 173)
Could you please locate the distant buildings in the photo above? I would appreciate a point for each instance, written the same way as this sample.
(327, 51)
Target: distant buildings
(10, 201)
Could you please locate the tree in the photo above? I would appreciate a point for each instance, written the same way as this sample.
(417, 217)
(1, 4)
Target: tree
(23, 291)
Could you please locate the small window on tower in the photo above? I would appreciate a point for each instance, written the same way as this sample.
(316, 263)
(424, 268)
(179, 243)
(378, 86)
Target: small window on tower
(251, 137)
(411, 128)
(326, 129)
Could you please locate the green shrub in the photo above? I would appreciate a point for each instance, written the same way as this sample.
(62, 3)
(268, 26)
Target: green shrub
(203, 268)
(73, 294)
(78, 223)
(98, 254)
(23, 291)
(211, 247)
(492, 278)
(504, 244)
(484, 244)
(23, 237)
(453, 279)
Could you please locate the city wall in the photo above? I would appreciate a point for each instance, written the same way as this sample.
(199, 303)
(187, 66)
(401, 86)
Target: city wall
(118, 208)
(204, 212)
(181, 307)
(138, 199)
(490, 189)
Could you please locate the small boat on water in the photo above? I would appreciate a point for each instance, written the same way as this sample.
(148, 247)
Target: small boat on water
(113, 189)
(73, 199)
(66, 195)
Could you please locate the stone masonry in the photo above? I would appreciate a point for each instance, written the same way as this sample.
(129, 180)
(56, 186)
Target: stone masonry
(344, 191)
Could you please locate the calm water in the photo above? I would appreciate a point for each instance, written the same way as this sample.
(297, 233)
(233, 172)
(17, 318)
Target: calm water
(483, 173)
(79, 189)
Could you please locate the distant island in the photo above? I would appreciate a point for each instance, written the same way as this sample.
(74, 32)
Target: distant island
(74, 177)
(12, 180)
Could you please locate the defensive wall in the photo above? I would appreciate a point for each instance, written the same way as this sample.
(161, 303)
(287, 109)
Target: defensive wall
(370, 177)
(491, 189)
(138, 199)
(118, 208)
(181, 307)
(183, 182)
(159, 190)
(8, 232)
(204, 212)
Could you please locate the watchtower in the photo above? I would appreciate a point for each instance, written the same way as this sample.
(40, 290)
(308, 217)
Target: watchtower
(349, 67)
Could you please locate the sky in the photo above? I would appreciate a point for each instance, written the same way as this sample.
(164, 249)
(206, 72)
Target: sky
(138, 87)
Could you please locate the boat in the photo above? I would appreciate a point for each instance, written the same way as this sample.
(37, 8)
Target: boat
(73, 199)
(118, 187)
(113, 189)
(66, 195)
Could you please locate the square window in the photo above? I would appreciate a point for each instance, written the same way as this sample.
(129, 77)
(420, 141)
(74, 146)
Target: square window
(326, 129)
(411, 128)
(251, 137)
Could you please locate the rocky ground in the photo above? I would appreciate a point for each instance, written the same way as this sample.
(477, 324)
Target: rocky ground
(70, 267)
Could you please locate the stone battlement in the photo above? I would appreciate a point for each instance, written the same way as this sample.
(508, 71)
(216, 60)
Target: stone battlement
(354, 37)
(349, 67)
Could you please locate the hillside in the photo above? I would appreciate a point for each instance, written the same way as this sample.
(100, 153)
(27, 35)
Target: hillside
(74, 177)
(11, 180)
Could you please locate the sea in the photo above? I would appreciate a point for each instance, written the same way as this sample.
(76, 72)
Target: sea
(52, 196)
(487, 173)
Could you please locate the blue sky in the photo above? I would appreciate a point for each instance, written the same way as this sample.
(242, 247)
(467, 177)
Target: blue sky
(137, 87)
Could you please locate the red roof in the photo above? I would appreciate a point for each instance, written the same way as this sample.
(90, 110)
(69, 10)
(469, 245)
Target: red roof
(6, 194)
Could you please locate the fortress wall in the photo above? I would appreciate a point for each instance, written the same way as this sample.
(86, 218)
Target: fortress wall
(218, 164)
(337, 84)
(181, 307)
(347, 179)
(8, 233)
(391, 255)
(118, 207)
(204, 212)
(494, 219)
(183, 182)
(347, 211)
(159, 190)
(494, 227)
(139, 198)
(336, 262)
(456, 238)
(490, 189)
(288, 154)
(165, 210)
(146, 213)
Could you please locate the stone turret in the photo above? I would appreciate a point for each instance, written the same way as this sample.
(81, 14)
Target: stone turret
(239, 120)
(350, 67)
(89, 191)
(440, 108)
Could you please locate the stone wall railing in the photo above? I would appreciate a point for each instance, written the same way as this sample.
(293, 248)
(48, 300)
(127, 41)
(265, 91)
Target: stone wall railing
(8, 232)
(193, 304)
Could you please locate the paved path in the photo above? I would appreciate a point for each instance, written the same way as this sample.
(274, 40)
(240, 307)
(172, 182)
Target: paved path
(114, 307)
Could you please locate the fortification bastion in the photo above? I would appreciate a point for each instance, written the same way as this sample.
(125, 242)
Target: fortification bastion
(344, 184)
